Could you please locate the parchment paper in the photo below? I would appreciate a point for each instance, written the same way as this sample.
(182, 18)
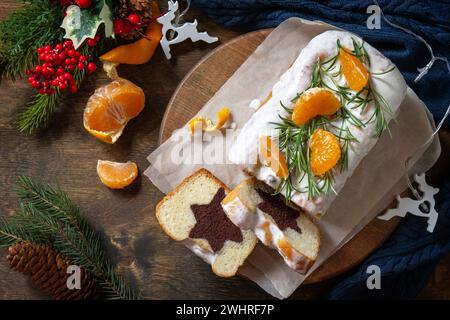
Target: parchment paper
(374, 184)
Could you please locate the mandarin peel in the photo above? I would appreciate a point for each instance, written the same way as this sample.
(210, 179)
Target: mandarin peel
(140, 51)
(206, 124)
(269, 96)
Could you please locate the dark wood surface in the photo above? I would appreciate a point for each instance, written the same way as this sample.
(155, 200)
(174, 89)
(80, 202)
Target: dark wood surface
(205, 79)
(66, 154)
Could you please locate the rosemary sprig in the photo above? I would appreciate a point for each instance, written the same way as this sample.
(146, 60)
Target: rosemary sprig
(48, 216)
(294, 142)
(294, 139)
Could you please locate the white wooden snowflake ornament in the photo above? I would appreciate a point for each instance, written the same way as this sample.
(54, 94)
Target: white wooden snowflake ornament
(185, 31)
(408, 205)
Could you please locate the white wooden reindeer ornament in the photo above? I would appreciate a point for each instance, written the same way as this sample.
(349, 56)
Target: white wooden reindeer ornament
(412, 206)
(185, 31)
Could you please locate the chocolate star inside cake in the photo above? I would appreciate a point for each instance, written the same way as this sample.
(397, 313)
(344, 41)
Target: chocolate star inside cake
(284, 216)
(213, 224)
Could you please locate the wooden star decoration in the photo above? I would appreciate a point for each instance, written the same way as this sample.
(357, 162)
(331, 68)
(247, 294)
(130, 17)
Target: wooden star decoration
(213, 224)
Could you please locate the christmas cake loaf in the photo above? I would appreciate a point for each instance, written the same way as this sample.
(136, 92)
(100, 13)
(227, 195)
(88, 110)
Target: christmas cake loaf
(192, 213)
(251, 206)
(320, 120)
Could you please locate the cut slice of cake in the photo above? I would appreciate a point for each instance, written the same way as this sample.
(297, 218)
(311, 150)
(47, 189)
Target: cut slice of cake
(251, 206)
(192, 213)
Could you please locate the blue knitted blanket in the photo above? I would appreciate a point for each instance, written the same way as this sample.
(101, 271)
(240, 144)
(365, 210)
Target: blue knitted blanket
(410, 255)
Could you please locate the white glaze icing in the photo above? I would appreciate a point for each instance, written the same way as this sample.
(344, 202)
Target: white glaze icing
(254, 104)
(297, 79)
(206, 255)
(245, 218)
(296, 260)
(239, 213)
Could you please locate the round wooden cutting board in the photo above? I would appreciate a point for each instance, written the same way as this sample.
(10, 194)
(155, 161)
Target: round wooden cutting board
(202, 83)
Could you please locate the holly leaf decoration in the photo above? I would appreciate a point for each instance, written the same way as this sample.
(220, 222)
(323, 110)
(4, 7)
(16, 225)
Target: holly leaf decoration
(81, 24)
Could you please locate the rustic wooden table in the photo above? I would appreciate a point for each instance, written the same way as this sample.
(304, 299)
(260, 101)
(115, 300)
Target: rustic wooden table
(66, 154)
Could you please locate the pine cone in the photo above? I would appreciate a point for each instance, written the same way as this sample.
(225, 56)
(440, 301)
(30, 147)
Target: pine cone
(48, 270)
(141, 7)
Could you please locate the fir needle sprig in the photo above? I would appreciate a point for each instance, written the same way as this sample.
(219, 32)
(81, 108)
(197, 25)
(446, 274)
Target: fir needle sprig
(294, 139)
(40, 110)
(49, 217)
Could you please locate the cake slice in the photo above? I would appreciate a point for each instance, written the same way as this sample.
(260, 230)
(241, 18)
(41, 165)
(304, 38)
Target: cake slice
(251, 206)
(192, 213)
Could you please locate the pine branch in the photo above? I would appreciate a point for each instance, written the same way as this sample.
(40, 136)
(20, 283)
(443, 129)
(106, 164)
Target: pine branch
(39, 112)
(34, 25)
(12, 232)
(46, 198)
(49, 214)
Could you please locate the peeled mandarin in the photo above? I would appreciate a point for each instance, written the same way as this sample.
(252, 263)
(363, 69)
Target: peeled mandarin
(273, 157)
(102, 117)
(131, 96)
(325, 151)
(354, 71)
(116, 175)
(314, 102)
(110, 108)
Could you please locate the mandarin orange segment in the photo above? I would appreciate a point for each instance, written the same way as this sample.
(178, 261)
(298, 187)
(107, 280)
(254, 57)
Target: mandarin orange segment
(272, 156)
(314, 102)
(116, 175)
(132, 97)
(325, 151)
(354, 71)
(110, 108)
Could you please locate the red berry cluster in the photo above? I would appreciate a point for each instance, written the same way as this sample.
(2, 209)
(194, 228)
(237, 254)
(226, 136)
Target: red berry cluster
(57, 64)
(124, 26)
